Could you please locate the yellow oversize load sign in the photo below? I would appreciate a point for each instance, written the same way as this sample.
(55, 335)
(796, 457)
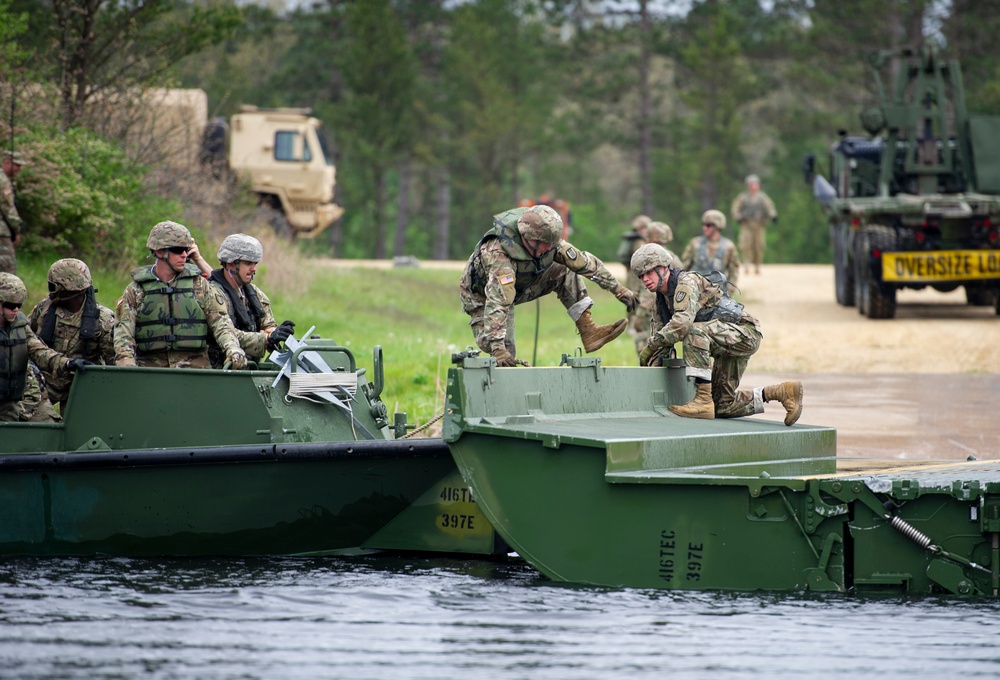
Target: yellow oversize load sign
(941, 265)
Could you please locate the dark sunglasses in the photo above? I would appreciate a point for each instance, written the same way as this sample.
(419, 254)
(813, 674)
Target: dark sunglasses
(177, 250)
(12, 305)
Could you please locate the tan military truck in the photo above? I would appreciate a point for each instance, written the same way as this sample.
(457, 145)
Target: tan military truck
(285, 155)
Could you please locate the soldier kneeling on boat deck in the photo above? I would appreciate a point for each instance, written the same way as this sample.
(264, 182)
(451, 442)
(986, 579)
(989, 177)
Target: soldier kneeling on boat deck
(169, 311)
(21, 395)
(249, 308)
(696, 310)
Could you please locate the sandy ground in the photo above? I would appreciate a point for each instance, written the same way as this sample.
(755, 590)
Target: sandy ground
(925, 384)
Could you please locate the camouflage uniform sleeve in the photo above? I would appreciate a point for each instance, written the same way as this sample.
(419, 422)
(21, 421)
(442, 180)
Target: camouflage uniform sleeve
(35, 316)
(8, 211)
(687, 257)
(46, 358)
(498, 291)
(772, 212)
(213, 303)
(255, 343)
(106, 335)
(737, 208)
(126, 313)
(586, 265)
(686, 306)
(733, 263)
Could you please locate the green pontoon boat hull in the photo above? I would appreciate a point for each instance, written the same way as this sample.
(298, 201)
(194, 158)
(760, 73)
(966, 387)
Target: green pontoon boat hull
(163, 462)
(588, 476)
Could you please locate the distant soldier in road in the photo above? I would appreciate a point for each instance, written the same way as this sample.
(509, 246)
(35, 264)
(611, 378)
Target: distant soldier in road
(71, 322)
(249, 308)
(521, 259)
(21, 395)
(639, 320)
(169, 311)
(717, 336)
(752, 210)
(712, 251)
(11, 226)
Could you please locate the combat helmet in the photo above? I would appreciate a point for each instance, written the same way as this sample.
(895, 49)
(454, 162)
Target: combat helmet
(648, 257)
(12, 289)
(659, 232)
(641, 222)
(752, 179)
(168, 235)
(540, 223)
(240, 248)
(69, 275)
(715, 218)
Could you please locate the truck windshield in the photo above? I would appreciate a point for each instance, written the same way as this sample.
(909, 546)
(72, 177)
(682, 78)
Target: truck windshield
(324, 145)
(290, 146)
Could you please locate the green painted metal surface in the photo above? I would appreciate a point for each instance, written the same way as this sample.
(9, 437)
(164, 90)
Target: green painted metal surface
(632, 496)
(197, 462)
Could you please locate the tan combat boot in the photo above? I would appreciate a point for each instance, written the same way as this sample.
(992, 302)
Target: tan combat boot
(701, 406)
(790, 396)
(595, 337)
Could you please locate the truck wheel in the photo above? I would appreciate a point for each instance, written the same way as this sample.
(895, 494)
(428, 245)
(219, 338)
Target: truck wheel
(861, 275)
(271, 213)
(979, 295)
(843, 273)
(880, 299)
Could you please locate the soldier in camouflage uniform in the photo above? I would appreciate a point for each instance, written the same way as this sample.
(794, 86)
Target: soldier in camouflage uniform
(639, 320)
(249, 308)
(167, 314)
(11, 226)
(717, 335)
(71, 322)
(630, 242)
(521, 259)
(21, 397)
(712, 251)
(752, 210)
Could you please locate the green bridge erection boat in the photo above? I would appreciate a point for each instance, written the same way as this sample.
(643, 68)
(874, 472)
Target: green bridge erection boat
(588, 476)
(167, 462)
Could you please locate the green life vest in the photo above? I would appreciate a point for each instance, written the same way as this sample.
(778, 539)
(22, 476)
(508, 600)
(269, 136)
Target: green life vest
(14, 360)
(526, 268)
(170, 317)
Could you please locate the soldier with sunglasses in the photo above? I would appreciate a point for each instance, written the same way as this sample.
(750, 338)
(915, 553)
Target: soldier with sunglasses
(169, 311)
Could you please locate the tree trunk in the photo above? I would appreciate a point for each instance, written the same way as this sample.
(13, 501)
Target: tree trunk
(645, 111)
(403, 209)
(380, 226)
(443, 214)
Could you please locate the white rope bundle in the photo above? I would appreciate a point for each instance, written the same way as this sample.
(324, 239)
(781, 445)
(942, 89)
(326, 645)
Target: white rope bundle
(305, 385)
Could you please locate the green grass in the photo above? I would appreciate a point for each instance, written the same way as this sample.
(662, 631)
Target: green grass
(413, 313)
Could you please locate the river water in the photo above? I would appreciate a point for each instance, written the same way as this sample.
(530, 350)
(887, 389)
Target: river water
(379, 617)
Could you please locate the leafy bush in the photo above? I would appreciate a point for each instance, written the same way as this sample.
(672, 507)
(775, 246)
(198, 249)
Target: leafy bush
(80, 197)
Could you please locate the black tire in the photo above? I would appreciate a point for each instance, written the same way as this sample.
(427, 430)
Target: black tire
(880, 299)
(843, 272)
(269, 210)
(979, 295)
(861, 275)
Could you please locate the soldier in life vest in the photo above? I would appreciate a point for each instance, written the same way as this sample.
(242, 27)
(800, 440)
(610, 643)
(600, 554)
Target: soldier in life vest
(249, 308)
(169, 311)
(717, 335)
(753, 210)
(21, 398)
(71, 322)
(523, 258)
(712, 251)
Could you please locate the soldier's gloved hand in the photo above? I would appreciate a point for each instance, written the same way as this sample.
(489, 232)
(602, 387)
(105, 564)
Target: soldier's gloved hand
(648, 355)
(280, 334)
(78, 365)
(237, 358)
(505, 358)
(628, 298)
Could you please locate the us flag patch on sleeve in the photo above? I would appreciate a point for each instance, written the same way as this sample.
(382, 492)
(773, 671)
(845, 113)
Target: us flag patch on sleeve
(506, 279)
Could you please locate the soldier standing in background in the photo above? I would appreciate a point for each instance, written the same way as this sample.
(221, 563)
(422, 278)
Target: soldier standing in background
(169, 310)
(21, 396)
(717, 336)
(522, 258)
(639, 321)
(249, 308)
(11, 226)
(752, 210)
(71, 322)
(712, 251)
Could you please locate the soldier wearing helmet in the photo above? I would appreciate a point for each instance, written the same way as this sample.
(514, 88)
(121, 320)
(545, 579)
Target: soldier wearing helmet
(21, 395)
(717, 336)
(522, 258)
(752, 210)
(169, 311)
(71, 322)
(11, 225)
(712, 251)
(249, 308)
(638, 322)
